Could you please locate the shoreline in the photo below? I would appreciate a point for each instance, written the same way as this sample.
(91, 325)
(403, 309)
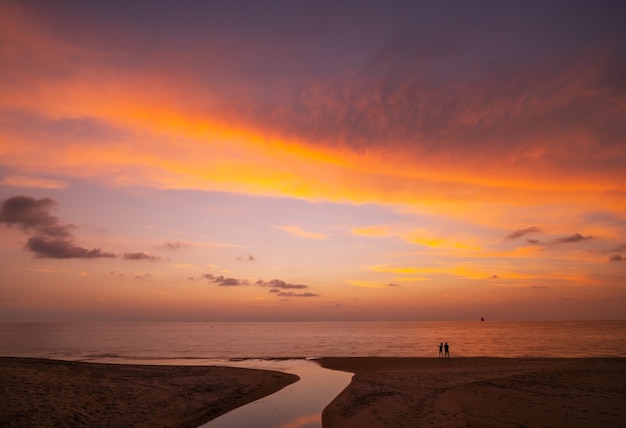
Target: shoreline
(384, 391)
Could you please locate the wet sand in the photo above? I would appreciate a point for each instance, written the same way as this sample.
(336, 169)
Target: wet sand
(479, 392)
(46, 393)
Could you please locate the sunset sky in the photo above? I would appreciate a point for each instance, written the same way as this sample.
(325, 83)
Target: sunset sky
(285, 160)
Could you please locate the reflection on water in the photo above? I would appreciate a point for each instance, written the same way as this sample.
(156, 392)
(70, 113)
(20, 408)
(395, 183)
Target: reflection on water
(298, 405)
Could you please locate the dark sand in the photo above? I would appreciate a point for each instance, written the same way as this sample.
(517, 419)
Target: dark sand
(46, 393)
(479, 392)
(385, 392)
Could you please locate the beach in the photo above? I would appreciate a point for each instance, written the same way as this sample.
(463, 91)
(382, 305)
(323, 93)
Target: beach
(479, 392)
(46, 393)
(384, 392)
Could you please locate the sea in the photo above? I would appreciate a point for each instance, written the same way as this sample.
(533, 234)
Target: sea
(189, 342)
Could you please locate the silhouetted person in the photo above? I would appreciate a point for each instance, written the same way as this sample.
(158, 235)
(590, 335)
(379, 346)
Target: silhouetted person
(440, 349)
(447, 349)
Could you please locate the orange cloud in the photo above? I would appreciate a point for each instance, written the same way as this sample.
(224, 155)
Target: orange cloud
(478, 161)
(371, 231)
(37, 182)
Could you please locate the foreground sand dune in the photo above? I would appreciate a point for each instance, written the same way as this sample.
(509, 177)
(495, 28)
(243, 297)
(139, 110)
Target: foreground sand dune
(479, 392)
(46, 393)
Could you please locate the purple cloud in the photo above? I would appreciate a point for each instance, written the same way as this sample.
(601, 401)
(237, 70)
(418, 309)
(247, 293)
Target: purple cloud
(572, 239)
(225, 281)
(140, 256)
(175, 245)
(277, 283)
(49, 238)
(521, 232)
(45, 247)
(28, 213)
(577, 237)
(292, 294)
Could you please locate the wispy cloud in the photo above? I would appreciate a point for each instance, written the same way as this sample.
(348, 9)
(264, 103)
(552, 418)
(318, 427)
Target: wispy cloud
(276, 287)
(292, 294)
(140, 255)
(371, 231)
(277, 283)
(35, 182)
(521, 232)
(427, 238)
(59, 248)
(299, 232)
(369, 284)
(225, 281)
(571, 239)
(174, 245)
(135, 275)
(576, 237)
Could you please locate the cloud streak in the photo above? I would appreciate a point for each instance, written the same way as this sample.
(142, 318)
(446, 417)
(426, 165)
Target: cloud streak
(299, 232)
(293, 294)
(276, 287)
(280, 284)
(140, 256)
(572, 239)
(225, 281)
(174, 245)
(521, 232)
(565, 240)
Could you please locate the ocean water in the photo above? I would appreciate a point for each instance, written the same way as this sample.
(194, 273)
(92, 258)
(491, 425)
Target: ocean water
(189, 342)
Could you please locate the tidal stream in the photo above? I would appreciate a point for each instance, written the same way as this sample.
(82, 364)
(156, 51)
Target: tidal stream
(298, 405)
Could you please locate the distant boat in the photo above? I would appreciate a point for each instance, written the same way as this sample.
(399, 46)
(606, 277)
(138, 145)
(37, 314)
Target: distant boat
(482, 318)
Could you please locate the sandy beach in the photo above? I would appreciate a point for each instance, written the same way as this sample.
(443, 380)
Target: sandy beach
(384, 392)
(46, 393)
(479, 392)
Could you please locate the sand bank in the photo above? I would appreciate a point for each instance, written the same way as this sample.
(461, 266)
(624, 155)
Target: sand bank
(479, 392)
(44, 393)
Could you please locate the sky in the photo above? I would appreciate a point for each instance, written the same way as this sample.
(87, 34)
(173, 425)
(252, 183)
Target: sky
(312, 161)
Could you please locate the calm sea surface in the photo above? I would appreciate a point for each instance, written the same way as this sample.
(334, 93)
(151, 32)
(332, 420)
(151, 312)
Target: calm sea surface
(187, 342)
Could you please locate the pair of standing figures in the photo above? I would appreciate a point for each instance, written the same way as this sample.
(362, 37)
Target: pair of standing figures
(444, 348)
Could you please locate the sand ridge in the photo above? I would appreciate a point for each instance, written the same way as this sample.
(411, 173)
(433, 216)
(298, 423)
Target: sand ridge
(479, 392)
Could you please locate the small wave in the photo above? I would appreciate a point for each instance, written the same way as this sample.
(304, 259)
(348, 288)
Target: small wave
(104, 356)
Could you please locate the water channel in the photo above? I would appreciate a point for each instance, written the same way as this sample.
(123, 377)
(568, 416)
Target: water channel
(298, 405)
